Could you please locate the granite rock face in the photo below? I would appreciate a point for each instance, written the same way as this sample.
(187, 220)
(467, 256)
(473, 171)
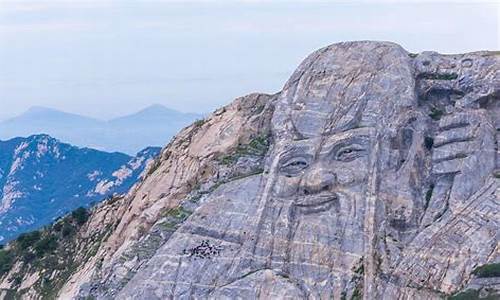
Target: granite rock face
(373, 174)
(380, 180)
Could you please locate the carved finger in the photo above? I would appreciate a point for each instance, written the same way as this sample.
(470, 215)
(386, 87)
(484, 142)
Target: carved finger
(452, 151)
(457, 120)
(454, 135)
(448, 166)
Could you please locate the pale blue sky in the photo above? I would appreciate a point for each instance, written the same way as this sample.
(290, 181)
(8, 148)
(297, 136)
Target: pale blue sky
(106, 58)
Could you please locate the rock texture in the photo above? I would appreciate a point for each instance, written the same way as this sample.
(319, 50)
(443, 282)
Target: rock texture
(373, 174)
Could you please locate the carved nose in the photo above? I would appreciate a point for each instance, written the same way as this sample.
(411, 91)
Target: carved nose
(316, 181)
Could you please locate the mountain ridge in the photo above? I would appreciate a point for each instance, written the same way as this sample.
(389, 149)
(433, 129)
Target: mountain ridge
(42, 178)
(40, 109)
(152, 109)
(151, 126)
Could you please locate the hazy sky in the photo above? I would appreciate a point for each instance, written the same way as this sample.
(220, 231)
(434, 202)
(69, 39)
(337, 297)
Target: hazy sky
(106, 58)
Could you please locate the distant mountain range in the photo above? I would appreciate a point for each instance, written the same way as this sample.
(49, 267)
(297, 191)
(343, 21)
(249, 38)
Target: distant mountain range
(42, 178)
(152, 126)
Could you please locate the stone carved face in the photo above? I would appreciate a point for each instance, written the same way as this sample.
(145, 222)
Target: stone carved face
(317, 201)
(324, 130)
(317, 170)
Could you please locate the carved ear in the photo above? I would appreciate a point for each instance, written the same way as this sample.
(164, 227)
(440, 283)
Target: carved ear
(404, 142)
(401, 183)
(407, 140)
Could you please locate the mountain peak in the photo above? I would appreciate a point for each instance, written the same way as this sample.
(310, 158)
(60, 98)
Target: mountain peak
(156, 108)
(154, 125)
(40, 136)
(39, 109)
(44, 114)
(155, 113)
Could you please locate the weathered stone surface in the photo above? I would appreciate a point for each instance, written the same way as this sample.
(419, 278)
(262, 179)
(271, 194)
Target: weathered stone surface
(346, 183)
(380, 181)
(374, 173)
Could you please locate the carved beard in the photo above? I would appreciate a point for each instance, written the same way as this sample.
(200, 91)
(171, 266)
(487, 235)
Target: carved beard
(296, 242)
(295, 236)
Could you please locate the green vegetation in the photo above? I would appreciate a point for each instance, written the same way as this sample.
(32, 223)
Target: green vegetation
(343, 295)
(357, 280)
(27, 240)
(465, 295)
(489, 270)
(360, 270)
(357, 294)
(199, 123)
(67, 229)
(80, 215)
(228, 159)
(6, 261)
(472, 294)
(45, 245)
(51, 250)
(39, 243)
(178, 213)
(196, 197)
(174, 216)
(436, 113)
(258, 146)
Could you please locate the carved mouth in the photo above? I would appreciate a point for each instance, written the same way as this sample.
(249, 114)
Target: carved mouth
(316, 200)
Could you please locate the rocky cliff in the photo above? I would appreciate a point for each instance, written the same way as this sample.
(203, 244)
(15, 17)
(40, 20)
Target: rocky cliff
(373, 174)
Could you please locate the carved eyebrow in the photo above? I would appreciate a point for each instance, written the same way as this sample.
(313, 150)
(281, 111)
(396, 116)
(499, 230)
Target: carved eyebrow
(290, 152)
(363, 140)
(294, 151)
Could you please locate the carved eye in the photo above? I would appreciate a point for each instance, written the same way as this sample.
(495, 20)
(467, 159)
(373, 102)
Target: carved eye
(349, 153)
(294, 165)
